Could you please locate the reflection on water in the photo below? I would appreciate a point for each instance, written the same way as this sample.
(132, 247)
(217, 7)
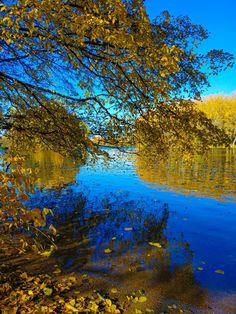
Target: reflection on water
(116, 239)
(53, 170)
(213, 174)
(107, 217)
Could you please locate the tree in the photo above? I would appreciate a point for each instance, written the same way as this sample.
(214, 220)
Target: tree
(71, 70)
(222, 111)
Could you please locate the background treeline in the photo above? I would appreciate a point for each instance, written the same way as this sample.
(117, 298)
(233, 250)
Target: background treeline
(221, 109)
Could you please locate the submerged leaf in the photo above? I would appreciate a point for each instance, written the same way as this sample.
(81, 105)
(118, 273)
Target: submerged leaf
(107, 251)
(219, 271)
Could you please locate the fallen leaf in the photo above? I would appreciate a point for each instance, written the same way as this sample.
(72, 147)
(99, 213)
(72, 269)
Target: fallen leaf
(142, 299)
(158, 245)
(220, 271)
(57, 271)
(47, 291)
(107, 251)
(114, 290)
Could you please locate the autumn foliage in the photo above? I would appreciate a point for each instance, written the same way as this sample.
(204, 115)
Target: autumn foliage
(103, 64)
(221, 110)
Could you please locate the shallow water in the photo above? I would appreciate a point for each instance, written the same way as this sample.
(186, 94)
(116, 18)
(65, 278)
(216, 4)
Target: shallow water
(110, 215)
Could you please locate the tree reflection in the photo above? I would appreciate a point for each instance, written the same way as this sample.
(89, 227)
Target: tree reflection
(127, 229)
(212, 174)
(53, 170)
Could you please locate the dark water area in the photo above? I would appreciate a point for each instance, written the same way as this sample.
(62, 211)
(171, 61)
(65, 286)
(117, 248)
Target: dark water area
(169, 227)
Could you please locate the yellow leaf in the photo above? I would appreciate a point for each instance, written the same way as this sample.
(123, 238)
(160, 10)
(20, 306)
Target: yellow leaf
(48, 253)
(114, 290)
(69, 307)
(158, 245)
(107, 251)
(53, 229)
(108, 302)
(45, 212)
(220, 271)
(24, 276)
(47, 291)
(142, 299)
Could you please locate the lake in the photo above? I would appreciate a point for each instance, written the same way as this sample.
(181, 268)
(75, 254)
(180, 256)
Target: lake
(168, 227)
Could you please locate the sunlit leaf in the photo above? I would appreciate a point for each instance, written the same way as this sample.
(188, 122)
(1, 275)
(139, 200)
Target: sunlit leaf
(48, 291)
(220, 271)
(158, 245)
(107, 251)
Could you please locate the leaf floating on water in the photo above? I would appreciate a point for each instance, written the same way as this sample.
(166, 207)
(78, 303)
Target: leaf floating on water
(219, 271)
(128, 229)
(200, 268)
(158, 245)
(107, 251)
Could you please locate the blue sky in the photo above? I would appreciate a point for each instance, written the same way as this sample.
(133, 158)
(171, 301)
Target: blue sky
(219, 18)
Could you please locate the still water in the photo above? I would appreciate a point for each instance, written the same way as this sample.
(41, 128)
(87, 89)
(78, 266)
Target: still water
(167, 226)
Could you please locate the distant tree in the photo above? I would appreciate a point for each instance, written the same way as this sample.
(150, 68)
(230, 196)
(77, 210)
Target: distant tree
(221, 110)
(71, 70)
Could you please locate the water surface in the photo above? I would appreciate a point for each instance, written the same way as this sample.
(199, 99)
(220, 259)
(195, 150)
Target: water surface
(110, 214)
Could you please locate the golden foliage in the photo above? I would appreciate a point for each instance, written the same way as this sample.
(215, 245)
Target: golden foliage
(43, 294)
(221, 110)
(68, 64)
(16, 182)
